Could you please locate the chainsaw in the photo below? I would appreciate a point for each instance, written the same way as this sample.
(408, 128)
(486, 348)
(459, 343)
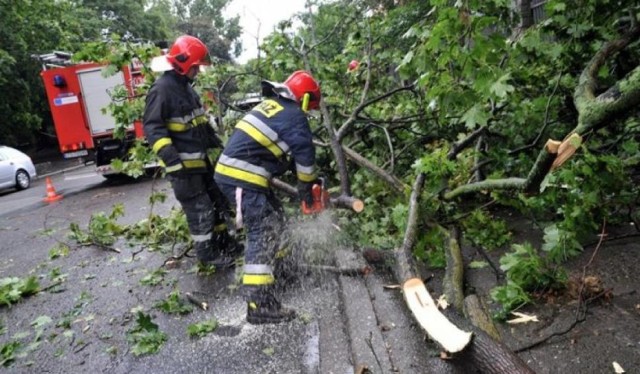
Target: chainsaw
(320, 199)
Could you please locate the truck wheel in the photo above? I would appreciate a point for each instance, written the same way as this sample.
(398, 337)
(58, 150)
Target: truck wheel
(23, 181)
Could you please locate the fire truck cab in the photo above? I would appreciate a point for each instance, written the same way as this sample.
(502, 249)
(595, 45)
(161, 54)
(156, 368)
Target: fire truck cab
(77, 94)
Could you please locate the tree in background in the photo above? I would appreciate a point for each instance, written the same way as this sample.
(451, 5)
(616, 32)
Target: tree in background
(33, 27)
(203, 19)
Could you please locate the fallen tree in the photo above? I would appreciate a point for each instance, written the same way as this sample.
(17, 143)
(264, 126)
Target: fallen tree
(472, 349)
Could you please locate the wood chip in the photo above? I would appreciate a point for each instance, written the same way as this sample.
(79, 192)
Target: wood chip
(617, 368)
(522, 318)
(442, 302)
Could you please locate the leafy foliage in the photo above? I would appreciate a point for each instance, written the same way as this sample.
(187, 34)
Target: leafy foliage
(157, 230)
(173, 304)
(486, 231)
(153, 278)
(13, 289)
(60, 250)
(201, 329)
(431, 74)
(8, 352)
(102, 229)
(154, 231)
(526, 271)
(145, 337)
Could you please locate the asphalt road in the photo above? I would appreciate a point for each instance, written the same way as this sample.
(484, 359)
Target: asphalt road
(68, 182)
(345, 323)
(85, 320)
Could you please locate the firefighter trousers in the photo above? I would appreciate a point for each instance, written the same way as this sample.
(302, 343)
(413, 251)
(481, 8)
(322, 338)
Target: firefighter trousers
(263, 220)
(204, 207)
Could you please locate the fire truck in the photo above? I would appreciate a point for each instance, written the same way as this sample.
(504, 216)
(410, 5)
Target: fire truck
(77, 93)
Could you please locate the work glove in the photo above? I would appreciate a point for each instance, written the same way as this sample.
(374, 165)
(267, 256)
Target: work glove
(173, 163)
(304, 192)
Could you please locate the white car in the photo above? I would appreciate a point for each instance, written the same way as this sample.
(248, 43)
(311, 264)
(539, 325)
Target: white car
(16, 169)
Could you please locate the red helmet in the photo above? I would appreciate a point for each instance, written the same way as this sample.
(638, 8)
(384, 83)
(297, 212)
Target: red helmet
(301, 83)
(187, 51)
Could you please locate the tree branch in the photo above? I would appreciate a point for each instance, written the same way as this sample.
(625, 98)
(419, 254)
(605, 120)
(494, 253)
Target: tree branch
(595, 112)
(354, 115)
(363, 162)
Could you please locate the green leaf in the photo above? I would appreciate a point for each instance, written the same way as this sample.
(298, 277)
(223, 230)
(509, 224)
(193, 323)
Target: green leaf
(41, 321)
(476, 115)
(202, 328)
(8, 352)
(145, 337)
(478, 264)
(501, 88)
(173, 304)
(153, 278)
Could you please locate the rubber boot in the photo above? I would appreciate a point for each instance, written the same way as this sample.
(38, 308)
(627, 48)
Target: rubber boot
(227, 250)
(268, 311)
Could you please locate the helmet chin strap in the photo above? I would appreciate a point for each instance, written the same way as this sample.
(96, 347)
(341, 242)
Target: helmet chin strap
(305, 102)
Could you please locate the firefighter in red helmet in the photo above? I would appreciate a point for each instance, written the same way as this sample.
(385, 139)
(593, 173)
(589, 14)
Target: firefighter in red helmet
(178, 130)
(269, 139)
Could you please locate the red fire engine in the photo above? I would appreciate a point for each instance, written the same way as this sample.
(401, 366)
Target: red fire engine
(77, 94)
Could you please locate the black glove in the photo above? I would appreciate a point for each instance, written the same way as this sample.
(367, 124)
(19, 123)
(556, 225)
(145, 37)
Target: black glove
(172, 162)
(304, 192)
(169, 155)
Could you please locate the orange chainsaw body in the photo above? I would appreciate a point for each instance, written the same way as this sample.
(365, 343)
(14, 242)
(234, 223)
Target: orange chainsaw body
(320, 200)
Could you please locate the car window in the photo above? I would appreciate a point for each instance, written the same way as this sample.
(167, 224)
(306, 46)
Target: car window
(3, 156)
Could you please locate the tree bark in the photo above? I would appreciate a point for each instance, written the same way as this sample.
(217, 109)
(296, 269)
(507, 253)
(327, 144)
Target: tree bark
(542, 166)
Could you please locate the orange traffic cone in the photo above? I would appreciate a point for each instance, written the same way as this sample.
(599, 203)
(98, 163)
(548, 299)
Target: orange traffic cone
(51, 193)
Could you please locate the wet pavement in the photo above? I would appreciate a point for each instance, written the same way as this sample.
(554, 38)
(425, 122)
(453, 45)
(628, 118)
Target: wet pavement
(345, 322)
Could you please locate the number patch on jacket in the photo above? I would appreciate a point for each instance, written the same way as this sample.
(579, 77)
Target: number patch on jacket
(269, 108)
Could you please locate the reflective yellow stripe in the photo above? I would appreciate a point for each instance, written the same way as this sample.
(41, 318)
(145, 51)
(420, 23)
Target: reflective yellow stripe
(306, 177)
(177, 127)
(173, 168)
(259, 137)
(201, 120)
(219, 228)
(242, 175)
(258, 279)
(160, 143)
(194, 163)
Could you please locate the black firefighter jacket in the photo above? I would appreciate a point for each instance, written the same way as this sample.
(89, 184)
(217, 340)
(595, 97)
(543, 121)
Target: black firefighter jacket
(176, 125)
(260, 145)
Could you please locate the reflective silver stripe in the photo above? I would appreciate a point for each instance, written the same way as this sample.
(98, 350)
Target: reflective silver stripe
(243, 165)
(304, 169)
(267, 131)
(257, 269)
(201, 238)
(239, 223)
(191, 156)
(186, 119)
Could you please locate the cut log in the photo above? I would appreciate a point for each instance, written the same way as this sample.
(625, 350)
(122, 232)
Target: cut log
(197, 302)
(566, 149)
(439, 328)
